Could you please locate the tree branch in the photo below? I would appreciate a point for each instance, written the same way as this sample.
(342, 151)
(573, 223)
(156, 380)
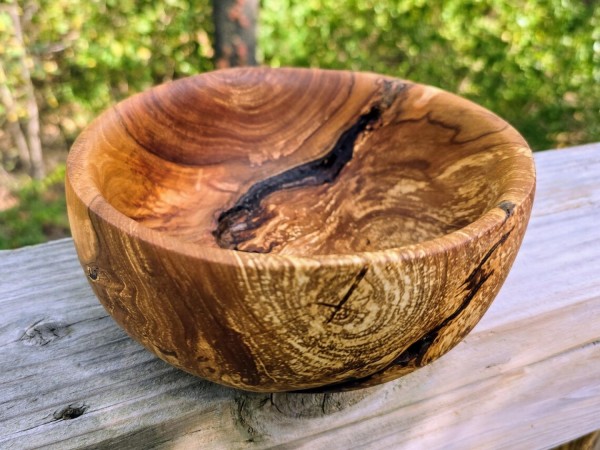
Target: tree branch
(14, 128)
(32, 125)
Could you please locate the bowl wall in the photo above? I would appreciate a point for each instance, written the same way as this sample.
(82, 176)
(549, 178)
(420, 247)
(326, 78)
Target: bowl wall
(295, 229)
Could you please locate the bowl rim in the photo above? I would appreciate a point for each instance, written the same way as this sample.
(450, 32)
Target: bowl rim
(519, 192)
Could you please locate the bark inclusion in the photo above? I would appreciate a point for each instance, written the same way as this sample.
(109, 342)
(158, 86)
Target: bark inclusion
(238, 223)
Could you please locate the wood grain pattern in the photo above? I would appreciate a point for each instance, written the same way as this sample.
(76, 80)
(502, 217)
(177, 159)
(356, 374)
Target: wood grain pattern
(525, 378)
(588, 442)
(293, 229)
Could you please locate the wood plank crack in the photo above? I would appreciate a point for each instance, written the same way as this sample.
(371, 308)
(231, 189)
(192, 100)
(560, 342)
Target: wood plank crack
(337, 307)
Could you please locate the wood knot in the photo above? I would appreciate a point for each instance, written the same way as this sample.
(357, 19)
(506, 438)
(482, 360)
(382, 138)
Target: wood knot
(309, 405)
(92, 272)
(41, 333)
(72, 411)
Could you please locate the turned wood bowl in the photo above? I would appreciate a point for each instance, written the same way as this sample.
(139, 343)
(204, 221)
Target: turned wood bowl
(294, 229)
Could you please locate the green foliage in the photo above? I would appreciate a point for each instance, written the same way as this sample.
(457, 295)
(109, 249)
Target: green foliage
(535, 63)
(121, 47)
(39, 215)
(88, 54)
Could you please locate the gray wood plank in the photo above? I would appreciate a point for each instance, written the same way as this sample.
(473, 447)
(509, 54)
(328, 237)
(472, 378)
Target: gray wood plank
(526, 377)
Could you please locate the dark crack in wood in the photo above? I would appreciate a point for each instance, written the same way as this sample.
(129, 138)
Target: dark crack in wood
(238, 223)
(416, 352)
(337, 307)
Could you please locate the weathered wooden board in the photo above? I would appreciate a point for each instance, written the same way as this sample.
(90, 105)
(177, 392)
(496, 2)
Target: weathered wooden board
(527, 377)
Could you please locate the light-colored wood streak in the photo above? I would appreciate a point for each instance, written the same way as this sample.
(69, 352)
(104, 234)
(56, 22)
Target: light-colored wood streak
(280, 230)
(525, 378)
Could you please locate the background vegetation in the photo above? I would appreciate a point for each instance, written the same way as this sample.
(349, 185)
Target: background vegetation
(536, 63)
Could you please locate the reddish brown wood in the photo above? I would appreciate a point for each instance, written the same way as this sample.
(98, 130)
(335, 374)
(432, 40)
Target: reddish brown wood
(287, 229)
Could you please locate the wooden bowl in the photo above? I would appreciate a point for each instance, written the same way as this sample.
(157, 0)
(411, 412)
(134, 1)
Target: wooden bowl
(292, 229)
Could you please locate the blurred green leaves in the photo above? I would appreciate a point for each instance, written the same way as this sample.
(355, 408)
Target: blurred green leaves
(89, 54)
(40, 213)
(536, 63)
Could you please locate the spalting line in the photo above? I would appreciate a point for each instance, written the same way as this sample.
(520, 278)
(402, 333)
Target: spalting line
(237, 224)
(454, 128)
(416, 351)
(336, 308)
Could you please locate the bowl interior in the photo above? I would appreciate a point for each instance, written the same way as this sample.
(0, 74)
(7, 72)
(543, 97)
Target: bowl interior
(301, 162)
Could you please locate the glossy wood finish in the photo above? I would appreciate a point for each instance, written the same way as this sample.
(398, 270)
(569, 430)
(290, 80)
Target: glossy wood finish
(289, 229)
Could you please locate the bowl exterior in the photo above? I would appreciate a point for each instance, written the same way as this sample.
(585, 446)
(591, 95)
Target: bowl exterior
(282, 322)
(273, 323)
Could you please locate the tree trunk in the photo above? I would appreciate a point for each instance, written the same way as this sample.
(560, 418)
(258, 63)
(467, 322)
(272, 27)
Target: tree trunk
(235, 32)
(12, 119)
(32, 126)
(18, 137)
